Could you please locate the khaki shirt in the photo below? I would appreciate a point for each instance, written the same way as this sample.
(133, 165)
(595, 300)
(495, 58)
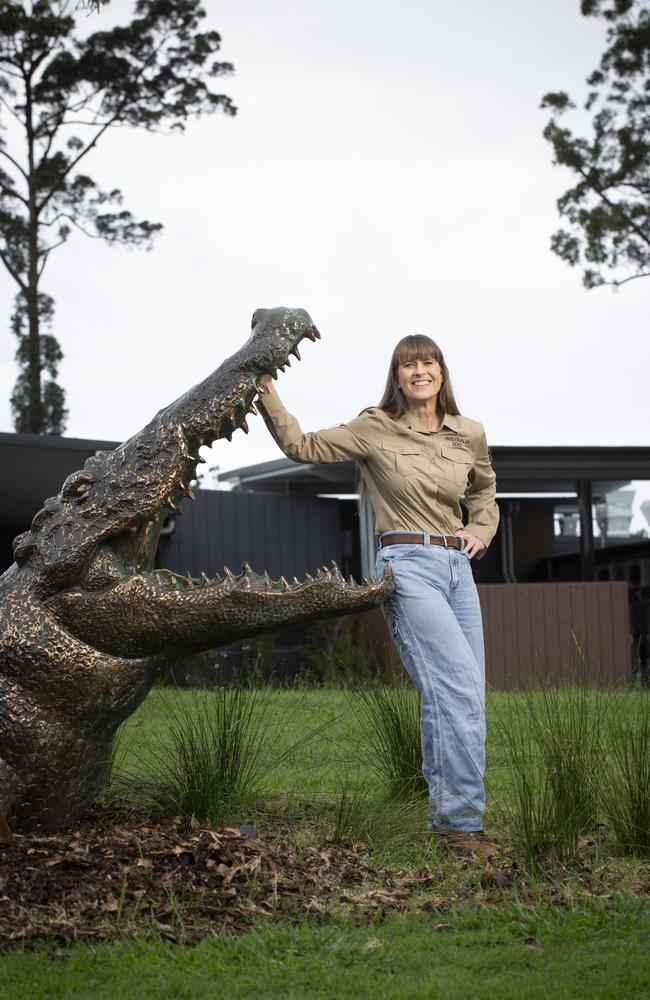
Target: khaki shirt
(414, 478)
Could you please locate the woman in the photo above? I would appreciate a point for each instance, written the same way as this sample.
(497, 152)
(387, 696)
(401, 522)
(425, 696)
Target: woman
(417, 457)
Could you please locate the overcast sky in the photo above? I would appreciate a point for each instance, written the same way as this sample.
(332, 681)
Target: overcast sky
(387, 172)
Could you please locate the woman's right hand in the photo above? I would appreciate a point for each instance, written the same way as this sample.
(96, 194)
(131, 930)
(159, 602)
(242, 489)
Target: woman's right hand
(265, 385)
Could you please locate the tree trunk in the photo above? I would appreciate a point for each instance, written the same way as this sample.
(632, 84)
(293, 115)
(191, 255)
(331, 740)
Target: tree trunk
(35, 407)
(35, 404)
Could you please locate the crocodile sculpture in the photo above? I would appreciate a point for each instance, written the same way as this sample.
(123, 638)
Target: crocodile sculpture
(87, 623)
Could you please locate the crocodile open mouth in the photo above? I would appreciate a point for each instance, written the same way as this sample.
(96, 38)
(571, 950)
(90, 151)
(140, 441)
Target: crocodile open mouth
(133, 551)
(234, 410)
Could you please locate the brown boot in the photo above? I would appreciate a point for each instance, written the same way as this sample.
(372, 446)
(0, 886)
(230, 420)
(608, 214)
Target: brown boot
(467, 842)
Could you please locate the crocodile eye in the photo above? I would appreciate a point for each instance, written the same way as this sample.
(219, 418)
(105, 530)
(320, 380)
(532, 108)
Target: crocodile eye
(76, 486)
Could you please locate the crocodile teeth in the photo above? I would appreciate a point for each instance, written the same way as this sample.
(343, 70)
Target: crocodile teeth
(282, 368)
(285, 584)
(246, 569)
(297, 581)
(228, 575)
(253, 409)
(287, 363)
(309, 577)
(244, 426)
(296, 353)
(204, 577)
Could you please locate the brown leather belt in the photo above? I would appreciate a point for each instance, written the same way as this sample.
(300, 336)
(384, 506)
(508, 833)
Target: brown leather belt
(449, 541)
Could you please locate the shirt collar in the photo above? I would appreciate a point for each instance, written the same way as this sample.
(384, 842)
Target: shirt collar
(450, 421)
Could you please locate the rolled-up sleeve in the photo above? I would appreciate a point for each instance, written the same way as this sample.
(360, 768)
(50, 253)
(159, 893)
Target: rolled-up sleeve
(480, 496)
(336, 444)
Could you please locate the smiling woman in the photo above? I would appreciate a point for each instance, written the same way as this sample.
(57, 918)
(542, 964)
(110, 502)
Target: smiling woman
(417, 458)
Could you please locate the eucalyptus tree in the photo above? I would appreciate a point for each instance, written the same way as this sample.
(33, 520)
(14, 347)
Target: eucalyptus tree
(608, 208)
(61, 92)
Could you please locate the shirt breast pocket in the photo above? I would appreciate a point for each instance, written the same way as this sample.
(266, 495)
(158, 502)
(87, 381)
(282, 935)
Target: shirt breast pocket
(456, 465)
(405, 459)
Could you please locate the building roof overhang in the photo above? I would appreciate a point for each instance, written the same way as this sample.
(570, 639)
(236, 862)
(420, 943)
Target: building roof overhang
(519, 469)
(34, 467)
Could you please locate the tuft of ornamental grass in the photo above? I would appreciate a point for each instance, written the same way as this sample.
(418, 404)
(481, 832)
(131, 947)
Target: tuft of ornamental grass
(553, 746)
(625, 790)
(220, 750)
(389, 742)
(383, 823)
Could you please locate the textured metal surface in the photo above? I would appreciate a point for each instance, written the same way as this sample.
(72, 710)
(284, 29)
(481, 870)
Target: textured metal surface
(86, 623)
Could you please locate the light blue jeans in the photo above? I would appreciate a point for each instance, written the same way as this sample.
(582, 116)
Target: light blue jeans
(434, 618)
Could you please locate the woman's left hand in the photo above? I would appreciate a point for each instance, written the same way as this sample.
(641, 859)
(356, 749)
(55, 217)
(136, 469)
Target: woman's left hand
(472, 543)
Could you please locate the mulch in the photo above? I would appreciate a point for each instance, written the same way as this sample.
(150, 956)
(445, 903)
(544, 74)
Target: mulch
(171, 878)
(123, 876)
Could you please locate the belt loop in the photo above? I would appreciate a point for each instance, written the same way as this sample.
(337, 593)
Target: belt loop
(426, 538)
(444, 538)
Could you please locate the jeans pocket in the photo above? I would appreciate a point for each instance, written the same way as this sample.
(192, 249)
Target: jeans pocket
(391, 553)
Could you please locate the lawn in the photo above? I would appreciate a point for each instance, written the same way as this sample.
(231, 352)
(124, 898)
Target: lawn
(342, 893)
(514, 954)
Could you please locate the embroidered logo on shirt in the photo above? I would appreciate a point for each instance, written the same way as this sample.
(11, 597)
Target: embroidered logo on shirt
(457, 441)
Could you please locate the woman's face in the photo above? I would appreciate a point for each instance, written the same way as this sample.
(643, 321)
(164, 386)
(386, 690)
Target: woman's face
(419, 380)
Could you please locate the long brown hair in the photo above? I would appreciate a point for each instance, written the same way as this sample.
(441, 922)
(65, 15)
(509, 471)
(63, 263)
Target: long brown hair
(415, 347)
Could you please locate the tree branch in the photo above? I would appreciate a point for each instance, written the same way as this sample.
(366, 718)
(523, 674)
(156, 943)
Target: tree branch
(17, 165)
(45, 253)
(64, 215)
(5, 63)
(13, 194)
(632, 277)
(12, 271)
(613, 205)
(103, 128)
(11, 111)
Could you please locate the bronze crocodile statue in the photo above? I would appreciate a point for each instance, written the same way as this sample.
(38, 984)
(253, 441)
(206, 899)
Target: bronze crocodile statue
(87, 623)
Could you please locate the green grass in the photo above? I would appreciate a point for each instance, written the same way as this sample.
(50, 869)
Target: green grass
(518, 953)
(563, 766)
(214, 754)
(320, 745)
(574, 930)
(388, 723)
